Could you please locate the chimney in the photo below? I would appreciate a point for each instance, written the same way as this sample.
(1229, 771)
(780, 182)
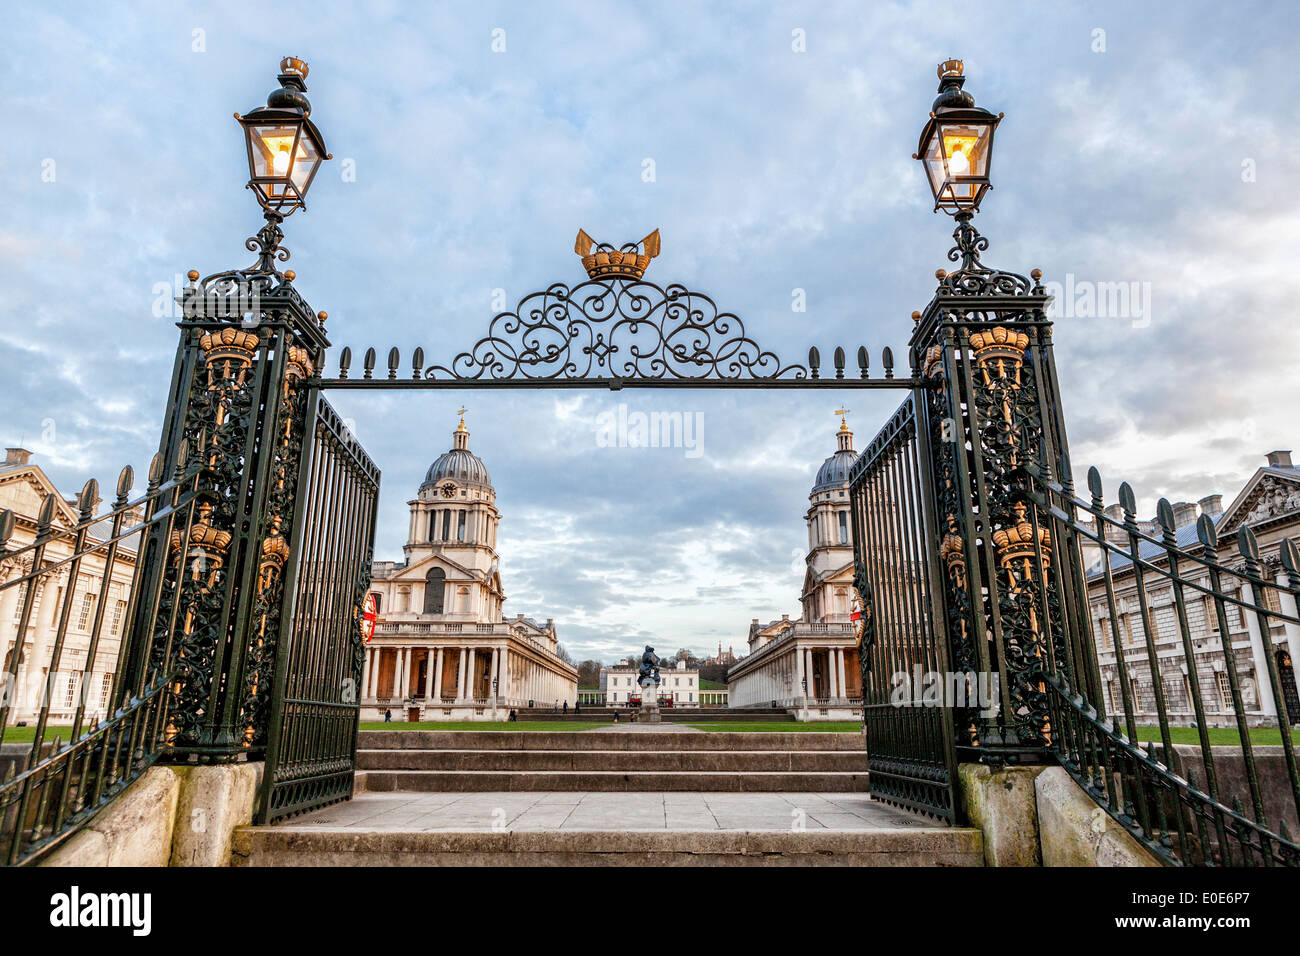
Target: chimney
(1279, 459)
(519, 617)
(785, 617)
(17, 456)
(1184, 514)
(1211, 505)
(1114, 512)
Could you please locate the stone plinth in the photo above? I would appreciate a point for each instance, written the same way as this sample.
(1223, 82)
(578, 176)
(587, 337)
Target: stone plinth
(649, 705)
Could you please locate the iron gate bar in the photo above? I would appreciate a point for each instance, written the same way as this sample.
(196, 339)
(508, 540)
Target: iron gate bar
(617, 384)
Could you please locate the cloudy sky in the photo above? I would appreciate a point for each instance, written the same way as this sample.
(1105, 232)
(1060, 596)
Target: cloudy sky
(472, 141)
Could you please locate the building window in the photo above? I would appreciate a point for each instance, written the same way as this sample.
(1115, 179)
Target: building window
(105, 688)
(433, 590)
(87, 606)
(1126, 626)
(379, 601)
(844, 528)
(70, 691)
(1225, 690)
(119, 611)
(460, 526)
(446, 525)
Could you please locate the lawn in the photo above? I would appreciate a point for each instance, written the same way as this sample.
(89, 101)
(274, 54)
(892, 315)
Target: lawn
(25, 735)
(774, 727)
(1219, 736)
(489, 725)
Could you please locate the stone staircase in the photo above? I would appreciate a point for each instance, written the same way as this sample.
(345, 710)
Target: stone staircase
(597, 761)
(640, 797)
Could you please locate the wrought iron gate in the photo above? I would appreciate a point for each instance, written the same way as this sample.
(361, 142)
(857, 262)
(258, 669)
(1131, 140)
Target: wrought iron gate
(317, 685)
(910, 747)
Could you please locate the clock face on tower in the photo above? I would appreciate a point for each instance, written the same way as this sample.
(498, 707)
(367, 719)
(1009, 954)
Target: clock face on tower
(449, 490)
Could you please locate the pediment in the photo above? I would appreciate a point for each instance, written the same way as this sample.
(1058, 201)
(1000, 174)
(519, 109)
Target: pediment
(1269, 497)
(24, 490)
(417, 571)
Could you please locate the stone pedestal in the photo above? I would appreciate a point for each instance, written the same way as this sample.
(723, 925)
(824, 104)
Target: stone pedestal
(649, 705)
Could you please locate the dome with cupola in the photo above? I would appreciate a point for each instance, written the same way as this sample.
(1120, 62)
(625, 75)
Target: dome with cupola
(458, 465)
(834, 472)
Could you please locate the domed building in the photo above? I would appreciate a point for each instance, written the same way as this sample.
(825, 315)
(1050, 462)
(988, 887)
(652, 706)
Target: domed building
(809, 666)
(442, 648)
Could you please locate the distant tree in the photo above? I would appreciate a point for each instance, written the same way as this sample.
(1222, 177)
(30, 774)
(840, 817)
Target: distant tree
(563, 655)
(683, 654)
(589, 673)
(714, 672)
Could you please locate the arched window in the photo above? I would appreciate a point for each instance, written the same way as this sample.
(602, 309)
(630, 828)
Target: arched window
(433, 588)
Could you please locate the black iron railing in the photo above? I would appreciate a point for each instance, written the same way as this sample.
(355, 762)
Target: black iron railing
(1161, 633)
(64, 775)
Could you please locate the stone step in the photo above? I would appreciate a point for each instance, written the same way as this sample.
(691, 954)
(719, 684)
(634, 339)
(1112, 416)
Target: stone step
(674, 716)
(711, 761)
(289, 845)
(605, 740)
(610, 781)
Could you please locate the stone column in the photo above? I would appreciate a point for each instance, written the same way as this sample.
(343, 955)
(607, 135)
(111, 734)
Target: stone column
(437, 680)
(8, 608)
(1263, 686)
(43, 638)
(504, 674)
(429, 657)
(839, 671)
(365, 672)
(471, 674)
(404, 672)
(460, 673)
(1288, 607)
(799, 673)
(494, 677)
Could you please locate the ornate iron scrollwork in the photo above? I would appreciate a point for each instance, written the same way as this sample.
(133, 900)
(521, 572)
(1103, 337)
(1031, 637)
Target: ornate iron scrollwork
(972, 277)
(616, 329)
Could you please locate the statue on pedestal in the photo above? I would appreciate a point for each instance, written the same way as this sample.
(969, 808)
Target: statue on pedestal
(649, 673)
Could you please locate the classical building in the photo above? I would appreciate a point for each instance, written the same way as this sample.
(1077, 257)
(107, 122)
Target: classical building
(442, 648)
(95, 602)
(810, 666)
(1270, 505)
(679, 686)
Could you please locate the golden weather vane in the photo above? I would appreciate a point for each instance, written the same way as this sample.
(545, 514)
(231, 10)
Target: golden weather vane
(842, 412)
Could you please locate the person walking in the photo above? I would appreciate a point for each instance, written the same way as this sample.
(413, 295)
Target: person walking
(566, 707)
(388, 716)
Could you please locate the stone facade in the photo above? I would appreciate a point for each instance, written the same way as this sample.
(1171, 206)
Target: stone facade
(442, 648)
(23, 486)
(1270, 505)
(810, 666)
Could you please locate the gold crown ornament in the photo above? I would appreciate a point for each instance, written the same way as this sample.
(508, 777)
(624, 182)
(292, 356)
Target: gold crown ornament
(1018, 542)
(628, 262)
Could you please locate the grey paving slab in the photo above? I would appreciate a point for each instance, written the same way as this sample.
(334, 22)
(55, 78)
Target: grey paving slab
(607, 812)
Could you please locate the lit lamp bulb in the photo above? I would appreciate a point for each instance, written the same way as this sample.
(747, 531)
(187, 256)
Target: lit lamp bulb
(958, 164)
(281, 162)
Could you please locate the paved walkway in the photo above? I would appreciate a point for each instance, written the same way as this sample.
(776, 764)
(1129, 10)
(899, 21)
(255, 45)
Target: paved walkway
(422, 812)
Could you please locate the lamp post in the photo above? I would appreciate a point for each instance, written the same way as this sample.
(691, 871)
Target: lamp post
(956, 145)
(983, 344)
(248, 350)
(285, 151)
